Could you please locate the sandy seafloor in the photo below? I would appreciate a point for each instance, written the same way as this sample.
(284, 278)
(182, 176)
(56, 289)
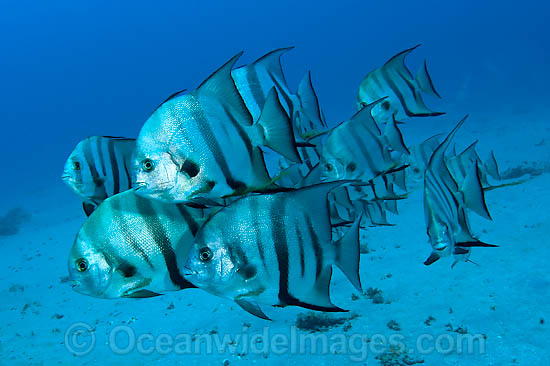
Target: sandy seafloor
(505, 297)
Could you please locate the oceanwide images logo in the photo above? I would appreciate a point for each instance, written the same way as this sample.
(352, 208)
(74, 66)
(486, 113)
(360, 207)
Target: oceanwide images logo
(80, 339)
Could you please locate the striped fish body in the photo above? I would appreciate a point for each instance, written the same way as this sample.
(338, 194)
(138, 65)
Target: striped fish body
(273, 249)
(355, 149)
(441, 205)
(100, 167)
(204, 145)
(445, 202)
(133, 247)
(441, 214)
(403, 91)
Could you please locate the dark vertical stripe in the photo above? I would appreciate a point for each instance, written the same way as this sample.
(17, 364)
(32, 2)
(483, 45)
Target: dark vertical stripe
(255, 212)
(244, 136)
(281, 92)
(211, 142)
(278, 232)
(161, 240)
(254, 85)
(188, 217)
(127, 172)
(398, 94)
(90, 159)
(99, 144)
(317, 249)
(127, 231)
(366, 154)
(301, 247)
(114, 167)
(237, 254)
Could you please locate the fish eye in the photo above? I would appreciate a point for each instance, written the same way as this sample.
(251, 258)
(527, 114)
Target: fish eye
(81, 265)
(329, 167)
(76, 165)
(148, 165)
(386, 105)
(205, 254)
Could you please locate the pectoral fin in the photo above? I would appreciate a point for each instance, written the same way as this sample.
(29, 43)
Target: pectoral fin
(471, 244)
(434, 257)
(88, 208)
(141, 294)
(252, 308)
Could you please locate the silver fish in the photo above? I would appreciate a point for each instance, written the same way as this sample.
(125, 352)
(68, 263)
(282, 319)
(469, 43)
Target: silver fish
(204, 145)
(274, 249)
(357, 149)
(133, 247)
(403, 91)
(445, 203)
(100, 167)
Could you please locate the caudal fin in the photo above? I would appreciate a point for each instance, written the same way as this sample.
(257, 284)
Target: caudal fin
(277, 128)
(347, 254)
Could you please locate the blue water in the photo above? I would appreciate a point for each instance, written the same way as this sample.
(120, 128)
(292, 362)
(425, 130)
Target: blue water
(69, 70)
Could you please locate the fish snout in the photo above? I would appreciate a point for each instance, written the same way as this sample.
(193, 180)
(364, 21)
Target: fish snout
(187, 271)
(139, 185)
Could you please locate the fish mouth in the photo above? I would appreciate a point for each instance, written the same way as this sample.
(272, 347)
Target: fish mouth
(188, 271)
(161, 188)
(139, 185)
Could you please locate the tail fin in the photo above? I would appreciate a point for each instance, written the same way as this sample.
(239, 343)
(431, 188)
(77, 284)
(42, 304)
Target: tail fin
(424, 81)
(277, 128)
(272, 63)
(347, 254)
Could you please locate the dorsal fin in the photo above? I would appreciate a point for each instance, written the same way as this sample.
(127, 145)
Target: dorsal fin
(437, 161)
(364, 116)
(309, 103)
(221, 86)
(398, 61)
(272, 63)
